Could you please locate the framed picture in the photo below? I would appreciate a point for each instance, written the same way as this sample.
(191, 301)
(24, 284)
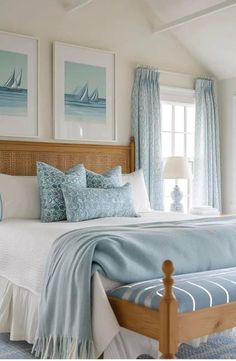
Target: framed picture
(84, 93)
(18, 85)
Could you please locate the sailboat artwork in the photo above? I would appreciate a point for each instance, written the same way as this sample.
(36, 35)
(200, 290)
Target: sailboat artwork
(13, 84)
(85, 92)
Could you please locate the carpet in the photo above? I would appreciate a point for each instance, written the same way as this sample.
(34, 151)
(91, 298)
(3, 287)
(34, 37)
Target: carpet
(217, 347)
(14, 350)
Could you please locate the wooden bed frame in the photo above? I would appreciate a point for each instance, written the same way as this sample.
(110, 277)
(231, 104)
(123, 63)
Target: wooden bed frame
(167, 325)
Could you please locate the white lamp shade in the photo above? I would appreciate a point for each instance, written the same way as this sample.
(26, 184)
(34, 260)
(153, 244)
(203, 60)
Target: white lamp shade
(176, 168)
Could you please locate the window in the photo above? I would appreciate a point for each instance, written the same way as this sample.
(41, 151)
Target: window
(178, 121)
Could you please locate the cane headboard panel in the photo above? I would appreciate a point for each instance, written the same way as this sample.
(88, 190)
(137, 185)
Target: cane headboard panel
(19, 157)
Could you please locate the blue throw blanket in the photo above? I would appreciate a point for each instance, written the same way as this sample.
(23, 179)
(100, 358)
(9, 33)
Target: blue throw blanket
(125, 254)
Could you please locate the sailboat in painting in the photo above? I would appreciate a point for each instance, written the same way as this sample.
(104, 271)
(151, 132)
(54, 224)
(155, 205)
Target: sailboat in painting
(13, 83)
(13, 97)
(81, 97)
(9, 83)
(94, 96)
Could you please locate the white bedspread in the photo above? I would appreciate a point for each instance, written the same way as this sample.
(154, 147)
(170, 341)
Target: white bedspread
(24, 246)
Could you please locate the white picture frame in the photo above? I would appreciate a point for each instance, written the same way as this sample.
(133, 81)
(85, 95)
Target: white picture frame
(19, 84)
(84, 94)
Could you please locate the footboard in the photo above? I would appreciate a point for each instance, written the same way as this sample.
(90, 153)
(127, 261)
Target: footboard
(167, 324)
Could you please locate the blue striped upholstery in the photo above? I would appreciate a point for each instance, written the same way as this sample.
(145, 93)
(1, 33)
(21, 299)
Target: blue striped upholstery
(193, 291)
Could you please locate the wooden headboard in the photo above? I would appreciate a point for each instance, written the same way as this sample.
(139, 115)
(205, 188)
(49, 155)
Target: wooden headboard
(19, 157)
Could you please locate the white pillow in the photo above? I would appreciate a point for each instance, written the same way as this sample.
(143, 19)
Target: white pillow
(141, 200)
(19, 197)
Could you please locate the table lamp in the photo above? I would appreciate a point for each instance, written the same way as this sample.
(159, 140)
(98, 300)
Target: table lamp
(176, 168)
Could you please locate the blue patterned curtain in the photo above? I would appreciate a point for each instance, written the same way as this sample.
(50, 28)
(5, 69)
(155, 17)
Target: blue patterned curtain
(146, 128)
(207, 182)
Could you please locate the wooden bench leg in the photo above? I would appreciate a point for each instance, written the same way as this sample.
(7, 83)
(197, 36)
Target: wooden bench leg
(168, 315)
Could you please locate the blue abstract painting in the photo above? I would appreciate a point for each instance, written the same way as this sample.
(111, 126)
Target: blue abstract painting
(85, 92)
(13, 83)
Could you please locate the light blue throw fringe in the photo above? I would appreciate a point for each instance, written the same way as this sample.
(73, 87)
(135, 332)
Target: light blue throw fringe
(63, 348)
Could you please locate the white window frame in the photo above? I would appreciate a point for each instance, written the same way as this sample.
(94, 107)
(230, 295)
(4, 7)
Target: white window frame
(182, 97)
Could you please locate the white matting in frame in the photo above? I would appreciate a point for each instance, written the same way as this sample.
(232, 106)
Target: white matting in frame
(18, 85)
(84, 93)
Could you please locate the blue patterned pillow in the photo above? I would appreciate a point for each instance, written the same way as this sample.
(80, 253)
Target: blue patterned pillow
(110, 179)
(89, 203)
(51, 197)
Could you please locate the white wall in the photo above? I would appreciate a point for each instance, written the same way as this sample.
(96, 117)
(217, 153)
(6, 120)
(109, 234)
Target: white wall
(227, 109)
(117, 25)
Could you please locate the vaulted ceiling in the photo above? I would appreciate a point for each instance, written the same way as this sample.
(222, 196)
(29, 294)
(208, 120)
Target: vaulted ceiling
(210, 39)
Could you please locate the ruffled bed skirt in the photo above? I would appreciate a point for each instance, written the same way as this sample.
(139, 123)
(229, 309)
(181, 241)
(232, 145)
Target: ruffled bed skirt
(18, 311)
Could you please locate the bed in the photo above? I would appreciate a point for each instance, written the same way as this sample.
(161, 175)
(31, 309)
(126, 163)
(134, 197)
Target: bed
(19, 300)
(21, 280)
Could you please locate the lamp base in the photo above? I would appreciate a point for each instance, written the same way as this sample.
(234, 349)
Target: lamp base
(177, 196)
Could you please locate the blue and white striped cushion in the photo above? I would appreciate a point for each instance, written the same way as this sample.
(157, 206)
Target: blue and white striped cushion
(193, 291)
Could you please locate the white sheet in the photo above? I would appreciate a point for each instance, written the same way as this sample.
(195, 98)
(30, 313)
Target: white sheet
(24, 246)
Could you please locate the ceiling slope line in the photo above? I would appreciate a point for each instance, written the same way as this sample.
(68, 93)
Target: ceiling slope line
(193, 17)
(70, 5)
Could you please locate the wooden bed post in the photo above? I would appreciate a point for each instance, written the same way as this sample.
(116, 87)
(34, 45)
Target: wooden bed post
(132, 154)
(168, 315)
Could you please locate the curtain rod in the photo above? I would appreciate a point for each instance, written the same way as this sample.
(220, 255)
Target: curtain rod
(175, 73)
